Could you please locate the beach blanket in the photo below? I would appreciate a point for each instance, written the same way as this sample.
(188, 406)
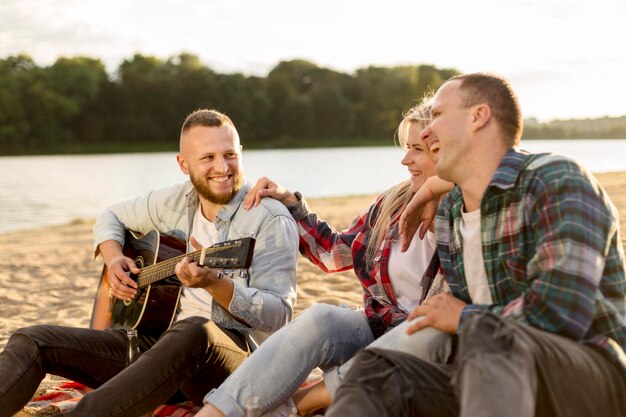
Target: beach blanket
(61, 395)
(65, 396)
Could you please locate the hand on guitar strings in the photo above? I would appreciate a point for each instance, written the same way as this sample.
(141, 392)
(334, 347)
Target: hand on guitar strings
(122, 286)
(194, 275)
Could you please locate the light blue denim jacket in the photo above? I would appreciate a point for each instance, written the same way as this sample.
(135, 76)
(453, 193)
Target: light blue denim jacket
(265, 300)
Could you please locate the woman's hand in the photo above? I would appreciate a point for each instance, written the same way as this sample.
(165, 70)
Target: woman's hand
(419, 213)
(265, 187)
(422, 209)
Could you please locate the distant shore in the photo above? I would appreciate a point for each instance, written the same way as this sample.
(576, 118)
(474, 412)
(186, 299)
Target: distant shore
(106, 148)
(48, 275)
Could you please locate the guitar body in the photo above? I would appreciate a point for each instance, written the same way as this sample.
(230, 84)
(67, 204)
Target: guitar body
(154, 307)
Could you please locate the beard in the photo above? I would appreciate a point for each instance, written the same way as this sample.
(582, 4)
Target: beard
(202, 187)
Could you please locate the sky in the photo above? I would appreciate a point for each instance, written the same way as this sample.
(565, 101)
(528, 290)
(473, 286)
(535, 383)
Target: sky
(564, 58)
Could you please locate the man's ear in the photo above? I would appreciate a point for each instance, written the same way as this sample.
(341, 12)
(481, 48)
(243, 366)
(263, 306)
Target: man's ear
(182, 163)
(481, 114)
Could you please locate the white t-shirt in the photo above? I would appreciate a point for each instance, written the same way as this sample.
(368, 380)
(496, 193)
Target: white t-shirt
(407, 268)
(473, 263)
(197, 301)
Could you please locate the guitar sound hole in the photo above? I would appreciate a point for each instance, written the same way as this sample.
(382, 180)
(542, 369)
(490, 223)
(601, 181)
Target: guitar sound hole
(139, 300)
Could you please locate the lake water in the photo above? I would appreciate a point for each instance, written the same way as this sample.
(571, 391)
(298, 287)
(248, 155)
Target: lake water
(46, 190)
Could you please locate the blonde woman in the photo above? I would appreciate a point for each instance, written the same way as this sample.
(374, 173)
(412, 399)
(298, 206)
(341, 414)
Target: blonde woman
(328, 336)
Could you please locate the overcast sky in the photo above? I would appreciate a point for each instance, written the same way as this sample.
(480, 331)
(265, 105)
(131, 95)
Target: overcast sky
(565, 58)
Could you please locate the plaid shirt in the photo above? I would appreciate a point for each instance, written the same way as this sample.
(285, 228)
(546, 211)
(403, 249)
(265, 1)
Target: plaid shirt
(551, 248)
(334, 251)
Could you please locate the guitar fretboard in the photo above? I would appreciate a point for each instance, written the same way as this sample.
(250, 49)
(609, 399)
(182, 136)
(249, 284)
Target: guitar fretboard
(153, 273)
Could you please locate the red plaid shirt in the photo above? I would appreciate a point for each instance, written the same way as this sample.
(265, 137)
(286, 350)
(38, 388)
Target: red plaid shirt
(335, 251)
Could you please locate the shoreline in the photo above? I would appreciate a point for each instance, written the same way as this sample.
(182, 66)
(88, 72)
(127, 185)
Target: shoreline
(48, 274)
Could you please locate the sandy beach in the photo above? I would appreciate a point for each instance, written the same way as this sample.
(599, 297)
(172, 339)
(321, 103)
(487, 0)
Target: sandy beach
(49, 275)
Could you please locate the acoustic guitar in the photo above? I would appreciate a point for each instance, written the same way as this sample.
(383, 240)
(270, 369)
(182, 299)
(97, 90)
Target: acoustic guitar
(155, 305)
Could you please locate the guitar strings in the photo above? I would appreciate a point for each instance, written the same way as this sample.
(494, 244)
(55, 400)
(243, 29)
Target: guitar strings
(152, 273)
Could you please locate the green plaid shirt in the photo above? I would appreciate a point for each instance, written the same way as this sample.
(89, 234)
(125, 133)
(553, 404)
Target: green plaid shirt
(551, 247)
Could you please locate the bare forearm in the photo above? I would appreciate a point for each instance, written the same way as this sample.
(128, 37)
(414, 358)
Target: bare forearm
(110, 250)
(437, 186)
(222, 291)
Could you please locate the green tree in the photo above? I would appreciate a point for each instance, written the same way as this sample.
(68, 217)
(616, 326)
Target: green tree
(73, 105)
(142, 100)
(14, 123)
(78, 82)
(333, 114)
(309, 102)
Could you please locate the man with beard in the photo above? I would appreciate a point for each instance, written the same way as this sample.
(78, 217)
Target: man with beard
(219, 320)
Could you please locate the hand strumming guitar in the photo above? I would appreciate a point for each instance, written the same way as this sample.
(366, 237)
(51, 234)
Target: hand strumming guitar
(118, 267)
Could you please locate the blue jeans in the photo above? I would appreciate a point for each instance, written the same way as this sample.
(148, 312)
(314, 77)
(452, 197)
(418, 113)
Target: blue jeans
(323, 336)
(194, 356)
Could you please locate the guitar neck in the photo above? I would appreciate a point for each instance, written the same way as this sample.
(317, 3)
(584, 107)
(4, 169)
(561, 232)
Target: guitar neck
(161, 270)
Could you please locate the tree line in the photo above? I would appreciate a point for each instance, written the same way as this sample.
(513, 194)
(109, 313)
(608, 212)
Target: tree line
(597, 128)
(74, 105)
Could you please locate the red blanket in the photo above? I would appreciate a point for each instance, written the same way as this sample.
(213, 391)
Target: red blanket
(64, 397)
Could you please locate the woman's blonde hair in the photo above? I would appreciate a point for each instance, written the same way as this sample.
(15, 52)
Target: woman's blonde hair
(400, 194)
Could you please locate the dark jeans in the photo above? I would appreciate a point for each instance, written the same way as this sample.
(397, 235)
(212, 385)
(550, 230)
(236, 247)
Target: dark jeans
(502, 368)
(193, 356)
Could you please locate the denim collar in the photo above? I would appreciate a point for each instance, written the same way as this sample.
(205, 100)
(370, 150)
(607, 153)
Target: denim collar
(228, 210)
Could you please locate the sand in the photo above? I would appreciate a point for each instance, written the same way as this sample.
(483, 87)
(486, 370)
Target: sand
(48, 275)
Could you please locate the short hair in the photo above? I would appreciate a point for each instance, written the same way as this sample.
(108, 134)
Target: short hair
(498, 93)
(206, 118)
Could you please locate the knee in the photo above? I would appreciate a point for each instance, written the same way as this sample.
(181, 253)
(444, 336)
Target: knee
(190, 331)
(29, 336)
(325, 321)
(489, 334)
(494, 350)
(320, 312)
(27, 341)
